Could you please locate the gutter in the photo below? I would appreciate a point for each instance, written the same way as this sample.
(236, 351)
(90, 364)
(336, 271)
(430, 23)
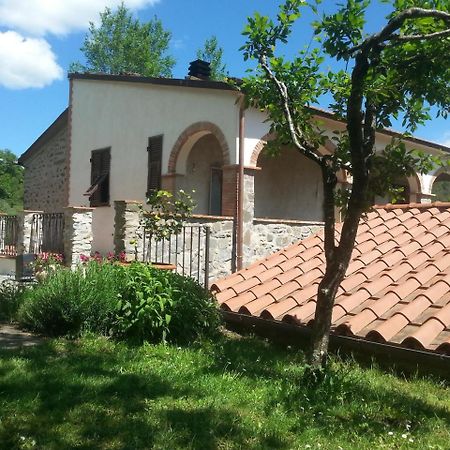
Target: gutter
(240, 191)
(388, 356)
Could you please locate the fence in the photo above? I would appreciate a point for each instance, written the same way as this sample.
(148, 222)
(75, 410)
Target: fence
(9, 226)
(187, 251)
(47, 233)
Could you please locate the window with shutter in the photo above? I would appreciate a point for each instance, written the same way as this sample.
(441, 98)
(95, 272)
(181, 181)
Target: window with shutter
(98, 192)
(154, 150)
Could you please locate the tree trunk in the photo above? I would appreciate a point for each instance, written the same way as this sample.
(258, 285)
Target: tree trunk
(324, 309)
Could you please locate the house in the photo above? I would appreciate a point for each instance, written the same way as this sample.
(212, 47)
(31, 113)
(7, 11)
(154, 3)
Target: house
(124, 135)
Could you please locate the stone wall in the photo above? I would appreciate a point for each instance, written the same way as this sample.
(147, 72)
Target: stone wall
(221, 248)
(268, 236)
(46, 178)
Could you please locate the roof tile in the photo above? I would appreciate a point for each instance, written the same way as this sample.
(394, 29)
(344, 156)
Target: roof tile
(397, 288)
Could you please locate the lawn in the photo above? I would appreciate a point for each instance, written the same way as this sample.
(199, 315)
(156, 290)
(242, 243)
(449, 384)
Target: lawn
(236, 393)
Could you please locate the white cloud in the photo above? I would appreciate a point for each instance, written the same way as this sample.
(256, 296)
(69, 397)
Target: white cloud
(58, 17)
(26, 62)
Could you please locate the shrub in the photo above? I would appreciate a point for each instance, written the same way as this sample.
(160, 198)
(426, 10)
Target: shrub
(11, 295)
(69, 302)
(160, 305)
(194, 310)
(137, 302)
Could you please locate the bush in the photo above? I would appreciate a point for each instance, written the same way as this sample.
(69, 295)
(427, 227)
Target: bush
(137, 302)
(70, 302)
(160, 305)
(11, 295)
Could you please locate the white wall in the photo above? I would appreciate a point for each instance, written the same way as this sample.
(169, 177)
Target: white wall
(289, 186)
(122, 116)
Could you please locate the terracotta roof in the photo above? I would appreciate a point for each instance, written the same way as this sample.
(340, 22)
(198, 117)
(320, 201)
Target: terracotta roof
(396, 290)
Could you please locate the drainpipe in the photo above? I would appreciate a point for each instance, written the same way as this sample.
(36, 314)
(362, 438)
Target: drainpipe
(240, 196)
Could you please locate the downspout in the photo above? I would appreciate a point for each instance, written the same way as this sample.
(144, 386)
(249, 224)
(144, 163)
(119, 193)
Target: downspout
(240, 193)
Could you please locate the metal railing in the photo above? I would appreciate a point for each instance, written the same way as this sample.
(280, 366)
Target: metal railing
(187, 251)
(9, 227)
(47, 233)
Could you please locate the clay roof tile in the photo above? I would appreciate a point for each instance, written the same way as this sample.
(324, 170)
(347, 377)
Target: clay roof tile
(397, 287)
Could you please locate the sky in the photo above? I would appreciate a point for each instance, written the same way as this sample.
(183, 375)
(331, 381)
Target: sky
(40, 38)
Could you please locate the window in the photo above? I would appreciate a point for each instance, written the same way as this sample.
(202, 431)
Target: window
(154, 150)
(98, 192)
(215, 192)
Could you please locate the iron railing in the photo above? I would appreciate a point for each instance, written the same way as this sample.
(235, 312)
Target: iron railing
(187, 251)
(9, 227)
(47, 233)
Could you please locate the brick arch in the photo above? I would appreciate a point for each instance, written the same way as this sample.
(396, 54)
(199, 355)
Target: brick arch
(198, 127)
(270, 137)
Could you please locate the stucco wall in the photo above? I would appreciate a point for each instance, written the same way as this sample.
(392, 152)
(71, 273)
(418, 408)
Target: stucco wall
(45, 182)
(289, 186)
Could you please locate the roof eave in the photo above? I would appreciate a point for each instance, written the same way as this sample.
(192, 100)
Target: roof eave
(52, 130)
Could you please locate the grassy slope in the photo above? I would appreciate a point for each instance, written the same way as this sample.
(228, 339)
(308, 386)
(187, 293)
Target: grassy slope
(244, 393)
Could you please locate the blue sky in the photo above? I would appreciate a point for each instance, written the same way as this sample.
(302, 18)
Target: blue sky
(40, 38)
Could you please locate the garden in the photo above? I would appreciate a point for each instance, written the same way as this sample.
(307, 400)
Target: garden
(136, 357)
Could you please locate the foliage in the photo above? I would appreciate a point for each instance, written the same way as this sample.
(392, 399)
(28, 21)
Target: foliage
(167, 213)
(11, 295)
(71, 302)
(145, 304)
(121, 44)
(159, 305)
(137, 302)
(11, 183)
(194, 313)
(398, 72)
(47, 262)
(233, 393)
(109, 258)
(213, 53)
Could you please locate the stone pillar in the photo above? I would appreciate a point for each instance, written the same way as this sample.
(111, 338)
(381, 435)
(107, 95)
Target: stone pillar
(77, 234)
(128, 236)
(24, 235)
(248, 213)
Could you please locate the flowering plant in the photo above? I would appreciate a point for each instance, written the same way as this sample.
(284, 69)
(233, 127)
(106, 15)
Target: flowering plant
(46, 263)
(46, 260)
(97, 257)
(166, 214)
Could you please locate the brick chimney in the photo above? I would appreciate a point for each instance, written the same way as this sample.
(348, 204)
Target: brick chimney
(199, 70)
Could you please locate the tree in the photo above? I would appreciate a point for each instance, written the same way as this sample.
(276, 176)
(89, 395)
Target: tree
(122, 44)
(399, 71)
(11, 183)
(213, 54)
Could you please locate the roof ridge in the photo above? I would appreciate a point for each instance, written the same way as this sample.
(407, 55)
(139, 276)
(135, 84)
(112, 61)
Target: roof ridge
(407, 206)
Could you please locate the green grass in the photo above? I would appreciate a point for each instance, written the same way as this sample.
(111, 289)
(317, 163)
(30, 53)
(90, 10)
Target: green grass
(236, 393)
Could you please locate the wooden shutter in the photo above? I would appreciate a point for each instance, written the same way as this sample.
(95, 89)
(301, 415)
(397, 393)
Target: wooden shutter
(100, 169)
(154, 150)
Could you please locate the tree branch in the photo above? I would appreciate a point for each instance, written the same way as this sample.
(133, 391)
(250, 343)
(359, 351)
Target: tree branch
(282, 89)
(387, 33)
(420, 37)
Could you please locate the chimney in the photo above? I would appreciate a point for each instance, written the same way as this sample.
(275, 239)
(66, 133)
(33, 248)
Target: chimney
(199, 70)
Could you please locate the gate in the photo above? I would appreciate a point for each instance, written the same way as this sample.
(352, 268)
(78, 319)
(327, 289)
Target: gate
(9, 226)
(47, 233)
